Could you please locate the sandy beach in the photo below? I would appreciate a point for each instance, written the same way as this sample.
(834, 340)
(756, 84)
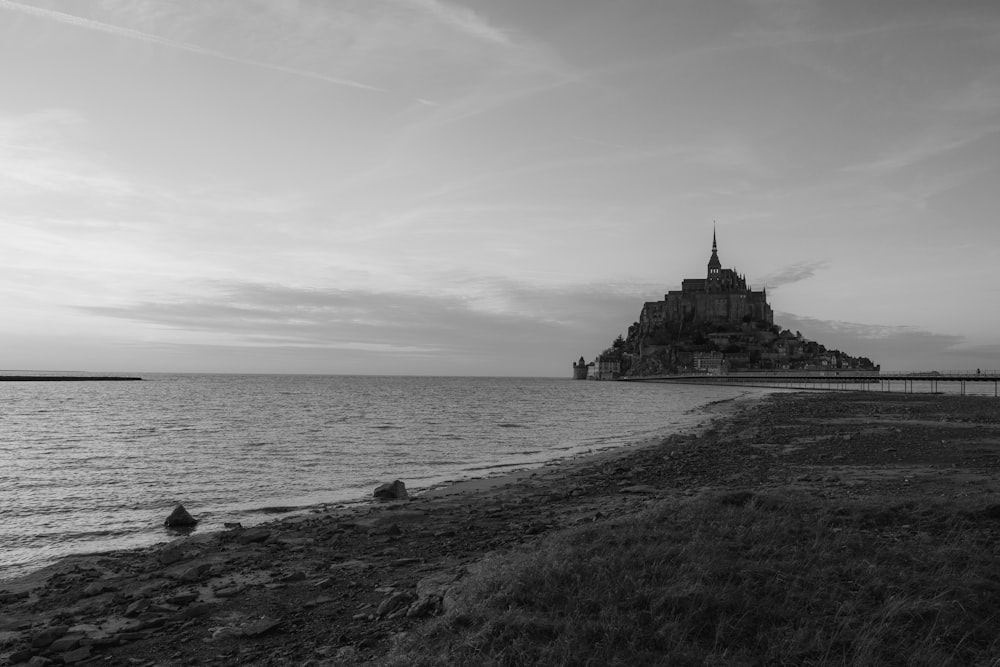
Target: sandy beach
(341, 585)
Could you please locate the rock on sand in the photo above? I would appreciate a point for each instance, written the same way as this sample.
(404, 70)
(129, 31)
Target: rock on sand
(180, 518)
(393, 491)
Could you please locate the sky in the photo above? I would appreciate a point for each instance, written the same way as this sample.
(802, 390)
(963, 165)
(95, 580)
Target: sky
(489, 187)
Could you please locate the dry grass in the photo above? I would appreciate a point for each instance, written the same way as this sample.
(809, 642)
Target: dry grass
(735, 579)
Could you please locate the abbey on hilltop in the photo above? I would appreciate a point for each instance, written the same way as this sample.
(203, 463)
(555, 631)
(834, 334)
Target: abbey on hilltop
(711, 325)
(722, 297)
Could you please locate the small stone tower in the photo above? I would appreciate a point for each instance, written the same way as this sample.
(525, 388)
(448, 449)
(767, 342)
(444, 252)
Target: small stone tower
(580, 370)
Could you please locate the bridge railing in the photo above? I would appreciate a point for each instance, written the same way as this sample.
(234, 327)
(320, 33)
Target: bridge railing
(811, 372)
(771, 376)
(942, 374)
(846, 372)
(830, 375)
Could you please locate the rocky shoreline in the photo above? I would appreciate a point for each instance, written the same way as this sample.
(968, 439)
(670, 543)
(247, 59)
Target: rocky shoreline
(338, 586)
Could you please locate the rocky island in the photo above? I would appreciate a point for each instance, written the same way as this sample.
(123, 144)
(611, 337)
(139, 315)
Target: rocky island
(712, 325)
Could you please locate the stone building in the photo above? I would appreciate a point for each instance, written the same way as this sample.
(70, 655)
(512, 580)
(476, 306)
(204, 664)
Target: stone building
(713, 363)
(721, 297)
(605, 367)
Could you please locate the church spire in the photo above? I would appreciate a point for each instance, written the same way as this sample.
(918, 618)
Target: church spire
(714, 266)
(714, 262)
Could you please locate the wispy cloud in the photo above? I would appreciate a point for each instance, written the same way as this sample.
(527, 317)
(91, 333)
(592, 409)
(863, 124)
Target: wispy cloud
(790, 22)
(484, 316)
(793, 273)
(924, 148)
(129, 33)
(510, 84)
(35, 158)
(819, 327)
(463, 19)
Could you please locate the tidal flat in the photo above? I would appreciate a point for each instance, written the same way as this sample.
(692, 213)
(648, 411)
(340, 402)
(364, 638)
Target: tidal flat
(802, 528)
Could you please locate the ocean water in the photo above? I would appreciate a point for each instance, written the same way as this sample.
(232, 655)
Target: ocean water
(97, 466)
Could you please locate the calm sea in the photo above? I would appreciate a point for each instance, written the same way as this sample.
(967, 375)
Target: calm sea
(96, 466)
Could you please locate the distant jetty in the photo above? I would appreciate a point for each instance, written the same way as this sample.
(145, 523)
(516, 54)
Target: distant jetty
(67, 378)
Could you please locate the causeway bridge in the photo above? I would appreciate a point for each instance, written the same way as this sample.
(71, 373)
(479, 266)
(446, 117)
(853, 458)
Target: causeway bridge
(919, 382)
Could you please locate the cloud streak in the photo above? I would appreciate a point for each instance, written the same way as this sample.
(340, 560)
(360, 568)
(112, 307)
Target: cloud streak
(527, 325)
(129, 33)
(924, 149)
(35, 160)
(793, 273)
(463, 19)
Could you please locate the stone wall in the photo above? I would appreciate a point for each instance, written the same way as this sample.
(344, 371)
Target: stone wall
(708, 307)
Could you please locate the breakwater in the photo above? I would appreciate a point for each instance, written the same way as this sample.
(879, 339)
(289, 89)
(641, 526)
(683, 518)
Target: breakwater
(67, 378)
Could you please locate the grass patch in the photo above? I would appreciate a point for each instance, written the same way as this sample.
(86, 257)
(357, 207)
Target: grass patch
(734, 578)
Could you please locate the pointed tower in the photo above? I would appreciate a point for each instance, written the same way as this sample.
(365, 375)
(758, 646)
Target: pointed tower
(714, 266)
